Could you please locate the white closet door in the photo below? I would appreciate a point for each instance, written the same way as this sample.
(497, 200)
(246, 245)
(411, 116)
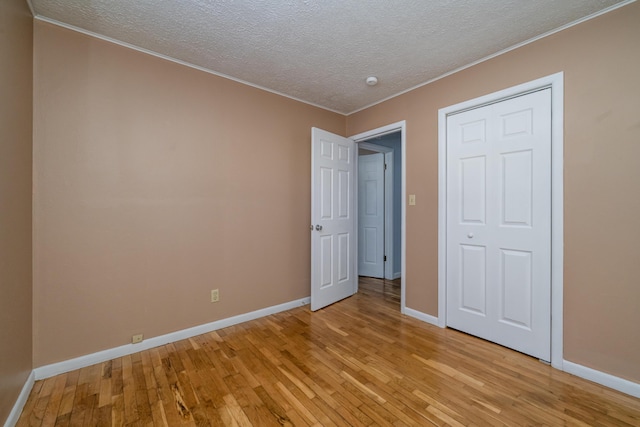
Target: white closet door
(499, 223)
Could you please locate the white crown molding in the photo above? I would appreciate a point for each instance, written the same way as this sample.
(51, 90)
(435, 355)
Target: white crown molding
(177, 61)
(102, 356)
(31, 8)
(509, 49)
(206, 70)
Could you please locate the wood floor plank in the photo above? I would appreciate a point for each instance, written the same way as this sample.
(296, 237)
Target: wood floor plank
(276, 411)
(55, 398)
(164, 392)
(296, 405)
(358, 362)
(66, 402)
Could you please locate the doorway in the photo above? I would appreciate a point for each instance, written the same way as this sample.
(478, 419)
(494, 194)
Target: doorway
(499, 222)
(389, 141)
(449, 276)
(379, 207)
(334, 267)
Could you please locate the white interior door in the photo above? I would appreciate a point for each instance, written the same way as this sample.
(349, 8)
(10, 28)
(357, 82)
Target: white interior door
(499, 223)
(371, 207)
(333, 246)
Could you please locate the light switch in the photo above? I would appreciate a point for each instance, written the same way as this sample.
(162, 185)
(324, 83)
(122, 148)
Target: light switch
(412, 199)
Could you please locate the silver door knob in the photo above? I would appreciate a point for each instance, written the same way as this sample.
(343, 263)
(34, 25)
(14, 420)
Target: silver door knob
(319, 227)
(470, 235)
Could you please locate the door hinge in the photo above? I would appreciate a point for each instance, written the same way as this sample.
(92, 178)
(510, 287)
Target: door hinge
(385, 258)
(385, 166)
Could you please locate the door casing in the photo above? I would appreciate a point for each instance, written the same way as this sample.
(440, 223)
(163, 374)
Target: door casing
(381, 131)
(556, 83)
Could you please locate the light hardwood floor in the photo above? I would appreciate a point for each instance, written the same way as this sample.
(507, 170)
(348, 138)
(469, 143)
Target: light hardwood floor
(358, 362)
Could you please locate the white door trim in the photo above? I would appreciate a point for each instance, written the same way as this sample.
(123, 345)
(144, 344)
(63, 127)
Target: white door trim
(388, 204)
(556, 83)
(400, 126)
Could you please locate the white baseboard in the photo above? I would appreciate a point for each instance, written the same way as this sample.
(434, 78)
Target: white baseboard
(14, 415)
(602, 378)
(421, 316)
(625, 386)
(112, 353)
(620, 384)
(397, 275)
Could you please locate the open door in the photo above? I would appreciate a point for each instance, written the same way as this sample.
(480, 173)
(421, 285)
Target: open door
(333, 222)
(371, 215)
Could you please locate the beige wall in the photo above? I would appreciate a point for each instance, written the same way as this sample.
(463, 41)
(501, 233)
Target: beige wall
(16, 83)
(601, 62)
(155, 183)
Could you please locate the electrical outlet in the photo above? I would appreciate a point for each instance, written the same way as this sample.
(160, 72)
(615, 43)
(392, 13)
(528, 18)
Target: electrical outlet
(136, 339)
(412, 199)
(215, 295)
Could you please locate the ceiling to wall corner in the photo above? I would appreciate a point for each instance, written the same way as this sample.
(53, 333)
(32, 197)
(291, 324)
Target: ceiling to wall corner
(322, 51)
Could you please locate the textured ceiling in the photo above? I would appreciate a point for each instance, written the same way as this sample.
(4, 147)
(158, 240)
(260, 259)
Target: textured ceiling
(321, 51)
